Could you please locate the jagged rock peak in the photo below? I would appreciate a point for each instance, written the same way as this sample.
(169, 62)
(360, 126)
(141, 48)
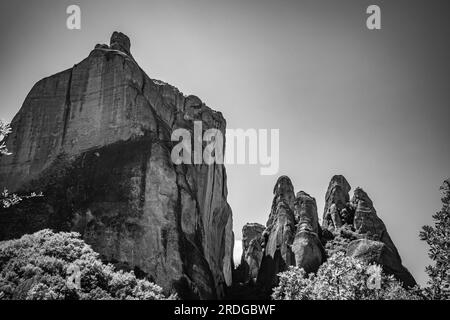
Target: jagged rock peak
(306, 212)
(291, 237)
(336, 200)
(360, 195)
(355, 227)
(283, 186)
(294, 237)
(121, 42)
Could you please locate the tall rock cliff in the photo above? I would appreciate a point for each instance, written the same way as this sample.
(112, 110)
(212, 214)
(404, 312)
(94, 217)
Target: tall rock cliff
(294, 237)
(96, 140)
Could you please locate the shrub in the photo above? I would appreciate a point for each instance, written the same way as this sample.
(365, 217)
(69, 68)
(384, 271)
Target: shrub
(5, 130)
(438, 238)
(40, 267)
(341, 278)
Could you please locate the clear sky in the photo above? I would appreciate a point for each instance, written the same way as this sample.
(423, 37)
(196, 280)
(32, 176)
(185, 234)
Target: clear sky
(371, 105)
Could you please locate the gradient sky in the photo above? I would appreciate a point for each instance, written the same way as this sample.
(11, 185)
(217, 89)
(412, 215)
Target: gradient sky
(371, 105)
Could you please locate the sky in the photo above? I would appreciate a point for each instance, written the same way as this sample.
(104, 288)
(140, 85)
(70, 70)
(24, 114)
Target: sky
(369, 104)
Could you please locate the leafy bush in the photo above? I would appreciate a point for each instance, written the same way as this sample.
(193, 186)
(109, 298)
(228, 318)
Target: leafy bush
(5, 130)
(438, 238)
(341, 278)
(42, 266)
(6, 199)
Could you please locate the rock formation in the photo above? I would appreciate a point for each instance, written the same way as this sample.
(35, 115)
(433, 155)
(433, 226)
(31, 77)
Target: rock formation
(294, 237)
(251, 253)
(354, 227)
(336, 199)
(307, 247)
(377, 246)
(291, 236)
(96, 139)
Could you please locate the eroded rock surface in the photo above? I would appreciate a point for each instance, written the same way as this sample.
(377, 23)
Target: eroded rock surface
(307, 247)
(354, 227)
(336, 200)
(96, 140)
(294, 237)
(292, 234)
(251, 252)
(377, 247)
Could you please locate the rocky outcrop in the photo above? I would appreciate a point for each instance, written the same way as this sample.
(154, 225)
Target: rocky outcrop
(353, 226)
(279, 235)
(96, 139)
(251, 253)
(307, 247)
(294, 237)
(377, 246)
(291, 237)
(336, 200)
(120, 42)
(377, 252)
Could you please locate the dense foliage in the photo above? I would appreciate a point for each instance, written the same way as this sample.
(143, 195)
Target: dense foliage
(341, 278)
(438, 238)
(7, 199)
(5, 129)
(50, 266)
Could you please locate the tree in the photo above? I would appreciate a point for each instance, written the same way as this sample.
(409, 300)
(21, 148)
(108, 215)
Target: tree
(5, 130)
(438, 238)
(6, 199)
(57, 266)
(341, 278)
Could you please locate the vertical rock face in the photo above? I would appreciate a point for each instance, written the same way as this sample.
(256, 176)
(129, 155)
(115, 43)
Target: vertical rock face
(336, 199)
(277, 242)
(291, 236)
(283, 192)
(307, 247)
(120, 42)
(251, 252)
(306, 212)
(96, 139)
(279, 234)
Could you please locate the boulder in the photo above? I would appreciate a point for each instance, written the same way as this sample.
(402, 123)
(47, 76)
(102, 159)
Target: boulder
(377, 252)
(308, 251)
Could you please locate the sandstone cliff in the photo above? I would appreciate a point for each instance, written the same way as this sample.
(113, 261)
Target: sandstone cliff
(96, 140)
